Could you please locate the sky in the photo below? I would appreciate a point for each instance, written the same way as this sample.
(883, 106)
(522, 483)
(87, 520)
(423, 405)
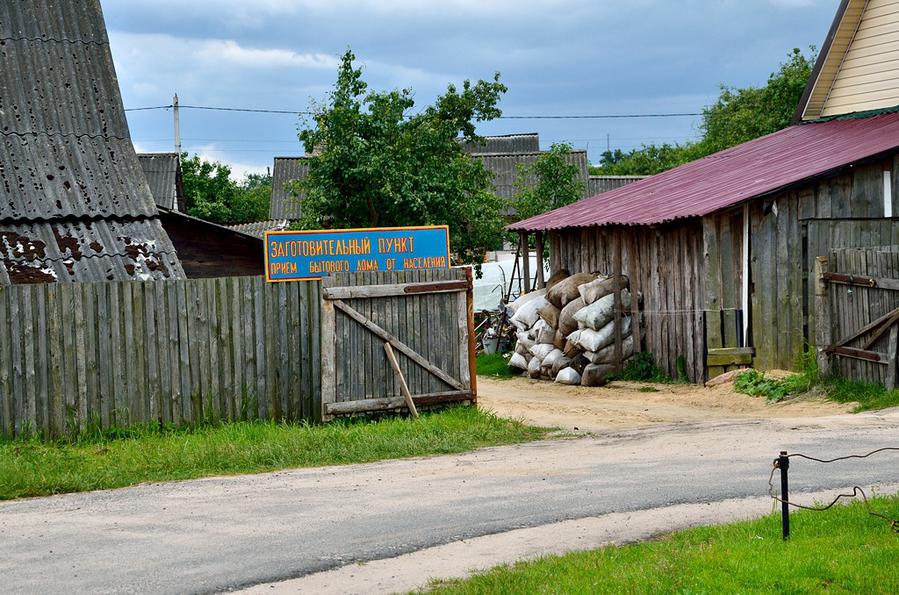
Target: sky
(558, 58)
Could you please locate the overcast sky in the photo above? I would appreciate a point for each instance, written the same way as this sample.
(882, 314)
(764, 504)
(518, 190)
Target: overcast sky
(558, 57)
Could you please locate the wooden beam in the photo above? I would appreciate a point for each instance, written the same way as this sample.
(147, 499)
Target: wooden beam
(396, 343)
(852, 352)
(538, 248)
(822, 322)
(890, 381)
(376, 291)
(868, 327)
(404, 388)
(525, 262)
(730, 356)
(472, 348)
(371, 405)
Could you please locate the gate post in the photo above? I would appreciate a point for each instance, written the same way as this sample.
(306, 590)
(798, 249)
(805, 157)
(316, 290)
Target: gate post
(822, 322)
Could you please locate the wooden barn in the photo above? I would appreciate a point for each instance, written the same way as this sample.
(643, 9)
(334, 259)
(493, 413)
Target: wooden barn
(723, 248)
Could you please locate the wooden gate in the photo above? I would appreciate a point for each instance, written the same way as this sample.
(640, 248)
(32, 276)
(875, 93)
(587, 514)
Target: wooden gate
(425, 316)
(857, 307)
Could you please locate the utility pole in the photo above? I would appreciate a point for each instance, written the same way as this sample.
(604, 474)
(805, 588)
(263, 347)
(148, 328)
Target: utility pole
(177, 118)
(608, 143)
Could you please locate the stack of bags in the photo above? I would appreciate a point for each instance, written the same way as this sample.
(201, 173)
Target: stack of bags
(566, 332)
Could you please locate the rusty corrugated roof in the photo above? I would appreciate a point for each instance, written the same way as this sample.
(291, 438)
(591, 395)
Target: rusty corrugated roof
(77, 250)
(599, 184)
(755, 168)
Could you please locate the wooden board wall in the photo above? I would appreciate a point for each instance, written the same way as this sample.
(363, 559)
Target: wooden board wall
(115, 354)
(666, 265)
(723, 242)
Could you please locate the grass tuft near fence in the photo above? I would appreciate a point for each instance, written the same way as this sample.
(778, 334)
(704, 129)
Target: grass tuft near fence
(118, 458)
(495, 365)
(843, 550)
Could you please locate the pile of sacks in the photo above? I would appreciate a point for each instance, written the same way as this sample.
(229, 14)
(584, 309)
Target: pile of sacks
(566, 332)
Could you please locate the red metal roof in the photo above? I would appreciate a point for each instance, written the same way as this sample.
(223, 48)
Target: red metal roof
(727, 178)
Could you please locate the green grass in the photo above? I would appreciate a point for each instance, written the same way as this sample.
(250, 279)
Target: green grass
(495, 365)
(642, 368)
(843, 550)
(756, 384)
(126, 457)
(868, 396)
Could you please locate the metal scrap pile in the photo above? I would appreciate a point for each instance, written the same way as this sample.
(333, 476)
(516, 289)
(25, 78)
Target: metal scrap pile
(567, 331)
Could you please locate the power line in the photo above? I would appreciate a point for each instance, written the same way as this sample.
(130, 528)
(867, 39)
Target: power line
(516, 117)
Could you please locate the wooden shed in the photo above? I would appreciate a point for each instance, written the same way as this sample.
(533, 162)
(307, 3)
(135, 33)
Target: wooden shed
(723, 248)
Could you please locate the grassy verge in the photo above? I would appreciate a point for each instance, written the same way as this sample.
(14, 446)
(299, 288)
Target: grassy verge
(495, 365)
(843, 550)
(121, 458)
(868, 396)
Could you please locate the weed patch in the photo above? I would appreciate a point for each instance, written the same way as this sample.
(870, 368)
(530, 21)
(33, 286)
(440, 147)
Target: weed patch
(495, 365)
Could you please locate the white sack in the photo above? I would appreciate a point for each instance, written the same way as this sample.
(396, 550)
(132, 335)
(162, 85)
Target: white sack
(541, 350)
(561, 363)
(534, 368)
(594, 341)
(599, 313)
(567, 323)
(524, 299)
(568, 376)
(518, 361)
(599, 288)
(606, 355)
(527, 314)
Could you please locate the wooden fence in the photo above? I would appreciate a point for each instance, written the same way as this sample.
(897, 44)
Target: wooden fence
(120, 353)
(857, 307)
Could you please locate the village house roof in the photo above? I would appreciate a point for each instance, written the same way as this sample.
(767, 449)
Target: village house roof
(758, 167)
(163, 173)
(526, 142)
(858, 66)
(74, 202)
(505, 168)
(287, 204)
(258, 228)
(599, 184)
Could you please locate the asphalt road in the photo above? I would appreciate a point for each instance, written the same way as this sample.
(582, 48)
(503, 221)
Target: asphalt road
(224, 533)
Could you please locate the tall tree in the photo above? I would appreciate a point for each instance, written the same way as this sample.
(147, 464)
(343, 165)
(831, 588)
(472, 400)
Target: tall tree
(213, 196)
(737, 116)
(548, 183)
(378, 164)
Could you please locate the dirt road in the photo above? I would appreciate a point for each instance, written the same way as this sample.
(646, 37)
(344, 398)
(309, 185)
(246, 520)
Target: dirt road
(622, 405)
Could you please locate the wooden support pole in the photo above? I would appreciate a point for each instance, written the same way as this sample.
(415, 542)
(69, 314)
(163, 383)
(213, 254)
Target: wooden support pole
(538, 245)
(525, 263)
(472, 349)
(404, 388)
(616, 271)
(890, 382)
(822, 324)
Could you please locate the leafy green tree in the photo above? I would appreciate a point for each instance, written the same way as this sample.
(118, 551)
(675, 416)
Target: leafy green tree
(381, 165)
(738, 115)
(213, 196)
(548, 183)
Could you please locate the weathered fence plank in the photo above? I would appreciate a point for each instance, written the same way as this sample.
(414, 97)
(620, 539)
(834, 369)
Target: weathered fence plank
(121, 353)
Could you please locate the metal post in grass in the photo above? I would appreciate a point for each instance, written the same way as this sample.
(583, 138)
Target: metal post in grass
(783, 463)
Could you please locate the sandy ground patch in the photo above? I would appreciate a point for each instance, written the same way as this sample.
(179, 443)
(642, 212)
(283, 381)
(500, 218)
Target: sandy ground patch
(622, 404)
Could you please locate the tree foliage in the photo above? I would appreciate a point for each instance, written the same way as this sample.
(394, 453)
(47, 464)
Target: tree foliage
(548, 183)
(738, 115)
(380, 165)
(212, 195)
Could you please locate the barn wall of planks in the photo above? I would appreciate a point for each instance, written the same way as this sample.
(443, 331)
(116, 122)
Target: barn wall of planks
(858, 316)
(121, 353)
(665, 264)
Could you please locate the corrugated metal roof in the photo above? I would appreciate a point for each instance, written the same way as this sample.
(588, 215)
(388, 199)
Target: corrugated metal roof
(755, 168)
(74, 202)
(96, 250)
(599, 184)
(259, 228)
(285, 204)
(52, 20)
(49, 176)
(162, 171)
(527, 142)
(505, 168)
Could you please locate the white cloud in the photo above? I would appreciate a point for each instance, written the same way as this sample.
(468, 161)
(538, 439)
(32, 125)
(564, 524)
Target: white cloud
(239, 170)
(220, 50)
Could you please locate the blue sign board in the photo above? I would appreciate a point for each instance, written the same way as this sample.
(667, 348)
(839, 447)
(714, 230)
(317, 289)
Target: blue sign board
(298, 255)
